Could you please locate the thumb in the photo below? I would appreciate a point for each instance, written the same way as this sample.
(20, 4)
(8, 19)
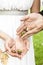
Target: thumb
(7, 48)
(25, 18)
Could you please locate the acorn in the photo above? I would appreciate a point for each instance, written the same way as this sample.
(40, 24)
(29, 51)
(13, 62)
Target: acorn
(24, 31)
(13, 51)
(19, 52)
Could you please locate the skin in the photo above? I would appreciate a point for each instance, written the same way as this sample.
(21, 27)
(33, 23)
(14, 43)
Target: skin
(21, 45)
(34, 9)
(11, 44)
(34, 23)
(9, 41)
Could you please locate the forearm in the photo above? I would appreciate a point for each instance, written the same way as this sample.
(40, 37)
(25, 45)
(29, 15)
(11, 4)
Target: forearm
(36, 6)
(3, 35)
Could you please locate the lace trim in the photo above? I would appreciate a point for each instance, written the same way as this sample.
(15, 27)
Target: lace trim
(15, 9)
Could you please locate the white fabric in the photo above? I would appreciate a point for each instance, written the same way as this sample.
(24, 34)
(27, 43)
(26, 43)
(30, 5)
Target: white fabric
(9, 24)
(20, 4)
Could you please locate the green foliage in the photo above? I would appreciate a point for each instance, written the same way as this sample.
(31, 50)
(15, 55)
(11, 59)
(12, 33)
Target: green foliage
(38, 48)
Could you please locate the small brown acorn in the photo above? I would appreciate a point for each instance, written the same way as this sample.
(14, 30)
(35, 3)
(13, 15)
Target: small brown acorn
(13, 51)
(24, 31)
(19, 52)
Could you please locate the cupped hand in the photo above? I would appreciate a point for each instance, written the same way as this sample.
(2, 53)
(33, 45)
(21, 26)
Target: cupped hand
(9, 42)
(32, 24)
(9, 46)
(22, 46)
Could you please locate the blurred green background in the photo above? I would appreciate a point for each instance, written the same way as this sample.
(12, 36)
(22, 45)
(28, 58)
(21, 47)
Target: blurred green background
(38, 46)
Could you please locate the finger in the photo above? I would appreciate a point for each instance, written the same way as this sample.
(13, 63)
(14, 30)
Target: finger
(21, 29)
(25, 18)
(11, 44)
(29, 33)
(27, 44)
(14, 54)
(21, 26)
(7, 47)
(28, 20)
(24, 53)
(28, 27)
(13, 48)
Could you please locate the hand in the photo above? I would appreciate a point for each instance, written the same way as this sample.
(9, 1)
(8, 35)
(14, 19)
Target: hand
(33, 23)
(16, 45)
(9, 42)
(9, 46)
(22, 46)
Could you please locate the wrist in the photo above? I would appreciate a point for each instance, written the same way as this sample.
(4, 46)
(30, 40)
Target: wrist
(3, 36)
